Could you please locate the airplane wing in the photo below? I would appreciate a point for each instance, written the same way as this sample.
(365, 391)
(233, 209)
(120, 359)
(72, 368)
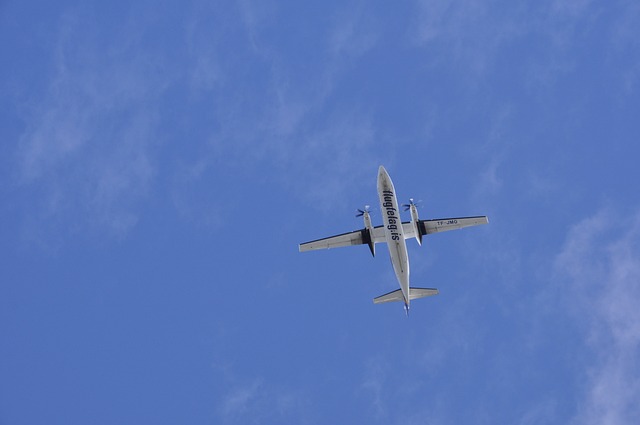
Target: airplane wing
(357, 237)
(426, 227)
(437, 225)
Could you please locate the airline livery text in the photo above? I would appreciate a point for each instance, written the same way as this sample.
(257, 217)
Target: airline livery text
(393, 220)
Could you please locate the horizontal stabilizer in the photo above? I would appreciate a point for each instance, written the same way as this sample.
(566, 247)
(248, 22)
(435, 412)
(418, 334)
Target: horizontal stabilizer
(397, 295)
(391, 296)
(422, 292)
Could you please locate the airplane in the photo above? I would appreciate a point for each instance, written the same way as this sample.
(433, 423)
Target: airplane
(394, 232)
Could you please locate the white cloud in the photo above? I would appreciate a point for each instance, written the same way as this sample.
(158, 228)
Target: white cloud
(601, 261)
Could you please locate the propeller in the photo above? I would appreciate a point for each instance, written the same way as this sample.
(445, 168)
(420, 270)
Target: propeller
(407, 206)
(361, 212)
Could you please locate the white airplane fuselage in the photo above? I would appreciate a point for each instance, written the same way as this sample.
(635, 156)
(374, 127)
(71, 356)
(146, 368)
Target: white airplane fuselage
(393, 231)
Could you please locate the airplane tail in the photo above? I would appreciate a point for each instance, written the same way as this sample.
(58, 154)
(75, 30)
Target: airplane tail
(396, 295)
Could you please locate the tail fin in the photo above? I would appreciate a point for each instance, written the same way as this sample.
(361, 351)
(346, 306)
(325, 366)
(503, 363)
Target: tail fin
(397, 295)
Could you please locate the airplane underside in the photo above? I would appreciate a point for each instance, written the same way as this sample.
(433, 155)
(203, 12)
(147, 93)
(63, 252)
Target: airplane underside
(394, 232)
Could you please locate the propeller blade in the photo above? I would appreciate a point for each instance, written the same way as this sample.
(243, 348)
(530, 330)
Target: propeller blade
(407, 206)
(361, 212)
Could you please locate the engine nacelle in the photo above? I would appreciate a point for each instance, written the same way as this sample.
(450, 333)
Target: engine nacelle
(367, 232)
(415, 221)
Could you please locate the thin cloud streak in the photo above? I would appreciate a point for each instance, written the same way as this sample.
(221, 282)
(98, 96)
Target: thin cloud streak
(81, 171)
(279, 129)
(600, 259)
(258, 402)
(456, 31)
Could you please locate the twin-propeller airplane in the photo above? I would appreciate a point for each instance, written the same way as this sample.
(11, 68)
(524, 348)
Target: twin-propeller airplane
(394, 232)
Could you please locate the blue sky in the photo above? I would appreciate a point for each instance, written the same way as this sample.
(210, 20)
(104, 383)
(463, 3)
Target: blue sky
(161, 161)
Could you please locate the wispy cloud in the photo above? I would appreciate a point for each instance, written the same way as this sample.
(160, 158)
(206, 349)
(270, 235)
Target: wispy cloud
(272, 109)
(496, 150)
(339, 153)
(374, 385)
(601, 261)
(552, 37)
(86, 154)
(458, 32)
(240, 399)
(258, 401)
(626, 48)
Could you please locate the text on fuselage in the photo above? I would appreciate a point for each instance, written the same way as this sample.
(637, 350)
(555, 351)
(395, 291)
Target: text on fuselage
(393, 220)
